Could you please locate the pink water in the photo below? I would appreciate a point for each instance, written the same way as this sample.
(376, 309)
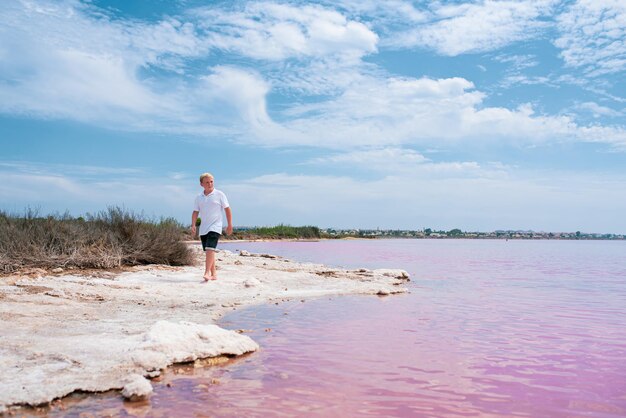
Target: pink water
(490, 329)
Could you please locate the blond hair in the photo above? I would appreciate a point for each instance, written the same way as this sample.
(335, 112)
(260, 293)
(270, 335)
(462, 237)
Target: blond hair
(205, 175)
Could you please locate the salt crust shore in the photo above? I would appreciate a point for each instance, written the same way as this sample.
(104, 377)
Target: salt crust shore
(63, 332)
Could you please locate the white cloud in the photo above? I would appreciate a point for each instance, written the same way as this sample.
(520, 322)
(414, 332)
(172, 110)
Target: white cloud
(477, 27)
(275, 31)
(396, 98)
(597, 110)
(67, 169)
(503, 198)
(30, 188)
(592, 34)
(55, 188)
(604, 135)
(81, 86)
(387, 11)
(373, 157)
(404, 161)
(244, 90)
(518, 62)
(328, 76)
(548, 201)
(512, 80)
(385, 17)
(67, 61)
(428, 112)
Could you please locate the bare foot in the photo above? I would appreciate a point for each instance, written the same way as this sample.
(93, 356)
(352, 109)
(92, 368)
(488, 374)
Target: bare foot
(206, 277)
(213, 277)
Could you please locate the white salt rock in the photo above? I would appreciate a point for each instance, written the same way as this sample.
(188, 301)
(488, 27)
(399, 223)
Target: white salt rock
(138, 387)
(244, 253)
(150, 360)
(186, 341)
(271, 256)
(252, 282)
(395, 273)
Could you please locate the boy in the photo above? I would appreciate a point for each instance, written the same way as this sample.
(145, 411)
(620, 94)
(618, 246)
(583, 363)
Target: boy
(209, 205)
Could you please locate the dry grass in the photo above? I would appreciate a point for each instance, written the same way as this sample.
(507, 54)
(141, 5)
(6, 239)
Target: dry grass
(109, 239)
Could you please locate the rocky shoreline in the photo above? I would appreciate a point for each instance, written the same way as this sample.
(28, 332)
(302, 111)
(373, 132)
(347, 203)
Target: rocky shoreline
(95, 331)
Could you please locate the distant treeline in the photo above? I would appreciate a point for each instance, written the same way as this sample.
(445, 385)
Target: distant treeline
(278, 232)
(112, 238)
(313, 232)
(458, 233)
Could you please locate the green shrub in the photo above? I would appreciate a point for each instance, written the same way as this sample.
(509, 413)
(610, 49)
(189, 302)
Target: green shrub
(280, 231)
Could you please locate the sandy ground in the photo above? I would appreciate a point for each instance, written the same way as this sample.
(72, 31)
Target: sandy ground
(96, 331)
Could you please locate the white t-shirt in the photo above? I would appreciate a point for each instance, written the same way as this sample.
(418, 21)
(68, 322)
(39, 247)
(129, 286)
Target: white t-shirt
(210, 208)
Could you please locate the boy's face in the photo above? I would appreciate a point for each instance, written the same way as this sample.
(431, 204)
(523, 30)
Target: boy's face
(207, 184)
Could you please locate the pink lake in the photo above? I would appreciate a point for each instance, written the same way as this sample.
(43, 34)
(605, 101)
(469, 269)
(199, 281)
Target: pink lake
(491, 328)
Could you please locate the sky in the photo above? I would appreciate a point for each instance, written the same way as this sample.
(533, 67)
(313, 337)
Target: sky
(390, 114)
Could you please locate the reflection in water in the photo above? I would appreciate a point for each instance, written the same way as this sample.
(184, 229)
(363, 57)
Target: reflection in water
(491, 329)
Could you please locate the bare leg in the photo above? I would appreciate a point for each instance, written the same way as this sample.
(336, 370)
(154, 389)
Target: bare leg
(209, 264)
(213, 268)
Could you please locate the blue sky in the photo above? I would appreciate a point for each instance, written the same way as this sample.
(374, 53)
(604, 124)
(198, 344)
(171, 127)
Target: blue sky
(394, 114)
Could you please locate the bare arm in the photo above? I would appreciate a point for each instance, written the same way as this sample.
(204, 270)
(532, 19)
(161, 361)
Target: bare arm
(194, 218)
(229, 218)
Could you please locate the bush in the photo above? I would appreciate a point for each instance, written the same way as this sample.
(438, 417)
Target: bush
(280, 231)
(112, 238)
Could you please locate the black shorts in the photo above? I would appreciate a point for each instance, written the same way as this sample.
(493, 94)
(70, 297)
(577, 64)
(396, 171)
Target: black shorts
(209, 241)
